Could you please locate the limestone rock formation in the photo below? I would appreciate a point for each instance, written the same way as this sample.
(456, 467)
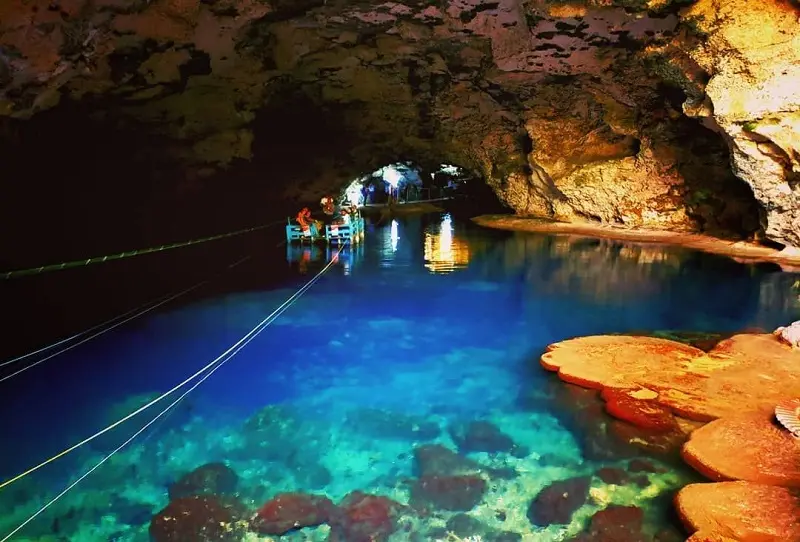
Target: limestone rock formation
(739, 511)
(580, 111)
(750, 447)
(745, 373)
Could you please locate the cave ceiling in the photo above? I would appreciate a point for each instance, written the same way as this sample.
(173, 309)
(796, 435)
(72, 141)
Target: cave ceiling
(674, 114)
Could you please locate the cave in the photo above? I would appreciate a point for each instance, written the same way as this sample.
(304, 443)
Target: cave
(509, 181)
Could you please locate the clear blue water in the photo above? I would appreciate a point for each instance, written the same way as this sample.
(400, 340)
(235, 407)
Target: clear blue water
(430, 322)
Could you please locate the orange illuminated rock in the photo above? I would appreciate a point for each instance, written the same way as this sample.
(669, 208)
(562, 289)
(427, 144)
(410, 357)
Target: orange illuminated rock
(749, 372)
(741, 511)
(638, 408)
(709, 537)
(749, 447)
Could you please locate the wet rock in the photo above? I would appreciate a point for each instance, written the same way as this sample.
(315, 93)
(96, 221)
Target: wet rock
(364, 518)
(643, 465)
(289, 511)
(202, 518)
(612, 475)
(649, 415)
(666, 445)
(457, 493)
(383, 424)
(748, 447)
(582, 412)
(482, 436)
(740, 511)
(615, 524)
(556, 503)
(208, 479)
(435, 459)
(747, 372)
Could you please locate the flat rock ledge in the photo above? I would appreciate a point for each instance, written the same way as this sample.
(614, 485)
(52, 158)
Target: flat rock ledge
(741, 511)
(657, 384)
(789, 260)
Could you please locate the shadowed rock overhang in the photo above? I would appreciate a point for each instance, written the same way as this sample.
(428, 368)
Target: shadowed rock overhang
(671, 114)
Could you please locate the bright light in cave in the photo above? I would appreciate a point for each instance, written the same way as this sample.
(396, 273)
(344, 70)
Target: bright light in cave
(353, 193)
(391, 175)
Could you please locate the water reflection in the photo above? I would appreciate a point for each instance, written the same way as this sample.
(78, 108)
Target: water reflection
(313, 256)
(444, 252)
(653, 281)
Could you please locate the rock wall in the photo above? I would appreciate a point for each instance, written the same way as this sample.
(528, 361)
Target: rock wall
(629, 112)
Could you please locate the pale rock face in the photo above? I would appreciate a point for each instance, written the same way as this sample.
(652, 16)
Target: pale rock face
(753, 56)
(790, 334)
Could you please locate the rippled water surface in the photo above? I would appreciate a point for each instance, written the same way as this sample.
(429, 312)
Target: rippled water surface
(409, 370)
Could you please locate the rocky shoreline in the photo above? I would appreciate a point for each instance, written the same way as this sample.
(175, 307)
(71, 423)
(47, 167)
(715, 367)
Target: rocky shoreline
(656, 385)
(738, 250)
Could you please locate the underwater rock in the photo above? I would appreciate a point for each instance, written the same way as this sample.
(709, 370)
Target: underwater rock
(200, 518)
(643, 465)
(747, 372)
(582, 412)
(741, 511)
(613, 475)
(435, 459)
(556, 503)
(615, 524)
(456, 493)
(208, 479)
(288, 511)
(663, 444)
(749, 447)
(482, 436)
(364, 518)
(393, 425)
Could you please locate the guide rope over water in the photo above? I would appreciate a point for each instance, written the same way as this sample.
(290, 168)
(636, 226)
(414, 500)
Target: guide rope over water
(103, 327)
(100, 259)
(205, 371)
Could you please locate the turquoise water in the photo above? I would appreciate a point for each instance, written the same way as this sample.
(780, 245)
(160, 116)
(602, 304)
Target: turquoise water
(416, 351)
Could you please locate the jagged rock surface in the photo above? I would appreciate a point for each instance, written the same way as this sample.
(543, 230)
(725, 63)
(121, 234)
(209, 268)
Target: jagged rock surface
(569, 110)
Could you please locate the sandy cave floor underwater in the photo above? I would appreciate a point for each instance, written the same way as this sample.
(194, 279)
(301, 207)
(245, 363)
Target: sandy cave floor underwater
(376, 376)
(347, 428)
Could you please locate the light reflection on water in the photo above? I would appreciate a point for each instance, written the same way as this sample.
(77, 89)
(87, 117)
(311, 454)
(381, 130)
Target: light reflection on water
(443, 252)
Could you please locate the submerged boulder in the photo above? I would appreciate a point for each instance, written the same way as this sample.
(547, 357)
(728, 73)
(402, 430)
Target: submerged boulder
(482, 436)
(615, 524)
(208, 479)
(364, 518)
(289, 511)
(556, 503)
(456, 493)
(200, 518)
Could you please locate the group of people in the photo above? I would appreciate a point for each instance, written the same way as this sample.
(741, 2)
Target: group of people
(339, 215)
